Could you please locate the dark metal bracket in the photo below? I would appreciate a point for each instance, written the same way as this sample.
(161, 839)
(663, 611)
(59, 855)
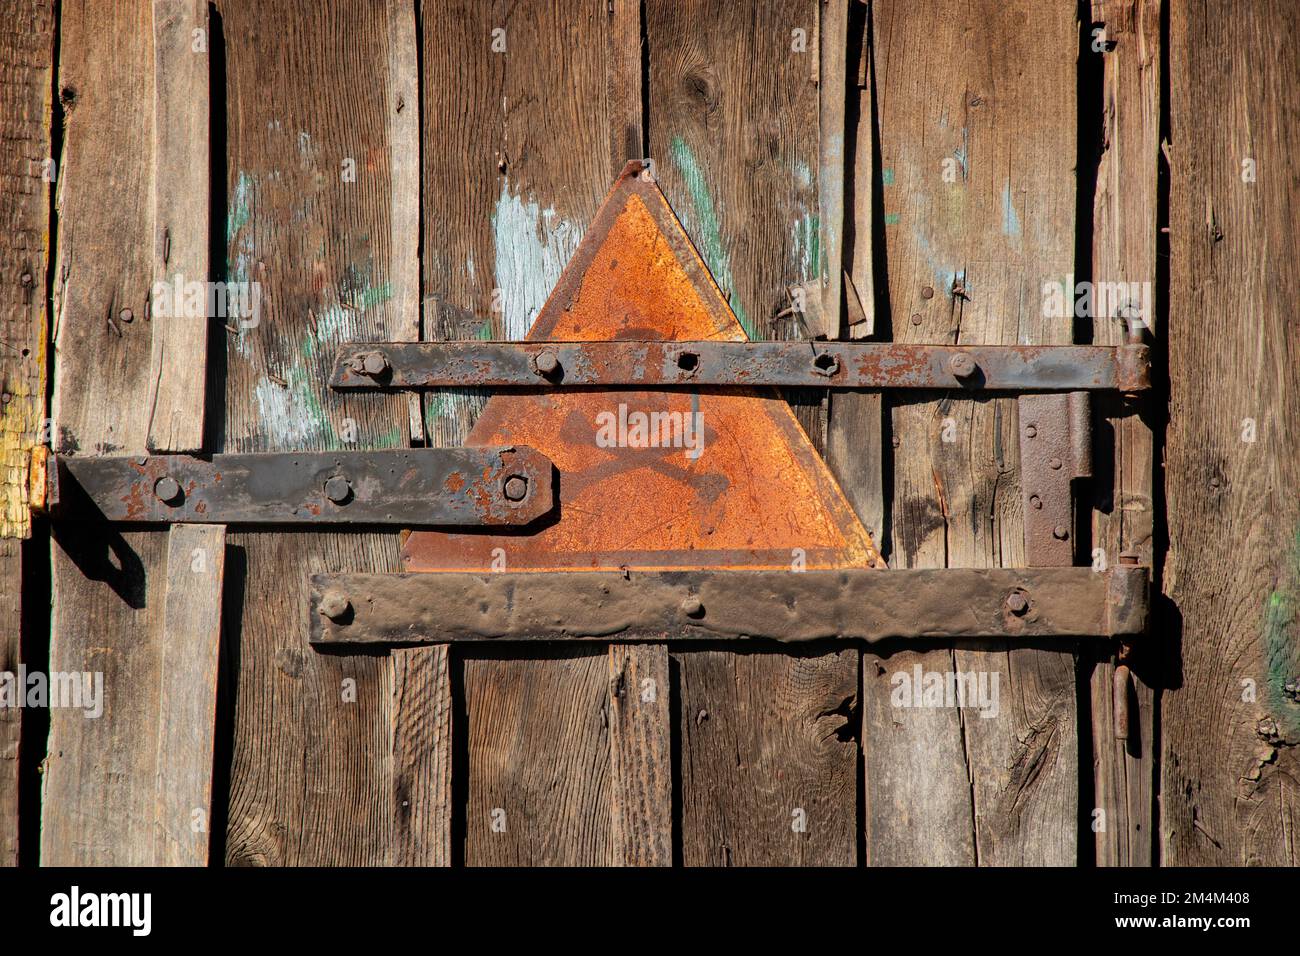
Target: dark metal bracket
(624, 364)
(853, 604)
(1055, 449)
(408, 487)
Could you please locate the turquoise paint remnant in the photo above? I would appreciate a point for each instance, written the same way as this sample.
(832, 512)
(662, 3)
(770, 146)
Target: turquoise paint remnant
(1280, 649)
(533, 245)
(887, 176)
(944, 279)
(240, 245)
(805, 243)
(1010, 221)
(703, 226)
(891, 219)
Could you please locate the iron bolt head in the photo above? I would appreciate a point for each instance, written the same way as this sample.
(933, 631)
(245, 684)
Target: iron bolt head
(515, 488)
(126, 315)
(1017, 603)
(167, 490)
(374, 364)
(546, 363)
(333, 605)
(962, 365)
(338, 489)
(1036, 502)
(1061, 532)
(1031, 431)
(27, 279)
(692, 607)
(1054, 464)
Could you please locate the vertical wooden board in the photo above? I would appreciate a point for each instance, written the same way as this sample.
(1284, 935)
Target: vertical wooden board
(640, 747)
(26, 78)
(528, 118)
(180, 224)
(735, 132)
(1231, 719)
(316, 122)
(977, 123)
(191, 634)
(1124, 251)
(98, 801)
(539, 761)
(422, 742)
(769, 758)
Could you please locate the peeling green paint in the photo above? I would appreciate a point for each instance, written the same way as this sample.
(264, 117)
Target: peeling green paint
(887, 176)
(705, 229)
(891, 218)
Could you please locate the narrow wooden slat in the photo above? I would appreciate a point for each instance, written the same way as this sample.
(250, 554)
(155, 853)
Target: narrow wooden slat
(26, 65)
(180, 221)
(1230, 718)
(832, 85)
(640, 746)
(528, 118)
(98, 805)
(769, 758)
(318, 136)
(1124, 250)
(191, 636)
(977, 125)
(422, 740)
(539, 761)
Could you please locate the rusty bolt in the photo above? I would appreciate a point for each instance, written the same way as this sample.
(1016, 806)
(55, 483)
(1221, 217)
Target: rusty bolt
(1054, 464)
(962, 365)
(338, 489)
(333, 605)
(1031, 431)
(126, 315)
(374, 364)
(916, 318)
(166, 490)
(692, 607)
(927, 293)
(1017, 603)
(826, 364)
(895, 441)
(1060, 532)
(515, 487)
(1036, 502)
(546, 363)
(26, 280)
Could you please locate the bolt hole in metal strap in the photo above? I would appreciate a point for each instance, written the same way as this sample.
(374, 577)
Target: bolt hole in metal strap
(408, 488)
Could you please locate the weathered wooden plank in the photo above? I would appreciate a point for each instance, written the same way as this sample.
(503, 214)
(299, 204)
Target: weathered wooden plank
(1124, 250)
(318, 128)
(26, 68)
(539, 761)
(106, 617)
(1230, 719)
(977, 125)
(741, 158)
(187, 698)
(422, 741)
(769, 758)
(640, 747)
(528, 118)
(181, 192)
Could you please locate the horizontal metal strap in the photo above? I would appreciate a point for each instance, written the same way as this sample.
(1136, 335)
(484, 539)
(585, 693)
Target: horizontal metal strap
(1018, 368)
(409, 487)
(864, 604)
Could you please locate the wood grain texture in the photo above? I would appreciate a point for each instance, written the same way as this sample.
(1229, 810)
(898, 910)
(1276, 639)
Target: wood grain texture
(26, 67)
(98, 805)
(769, 758)
(734, 125)
(640, 749)
(529, 115)
(422, 741)
(1229, 793)
(1124, 250)
(977, 125)
(539, 761)
(180, 196)
(187, 705)
(316, 200)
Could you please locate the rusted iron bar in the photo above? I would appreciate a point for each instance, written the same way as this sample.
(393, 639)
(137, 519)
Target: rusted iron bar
(419, 486)
(862, 604)
(1019, 368)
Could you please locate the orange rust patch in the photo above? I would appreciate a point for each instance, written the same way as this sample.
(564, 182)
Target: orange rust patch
(757, 496)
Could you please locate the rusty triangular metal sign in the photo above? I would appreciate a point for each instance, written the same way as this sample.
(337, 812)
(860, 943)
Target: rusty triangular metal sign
(654, 480)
